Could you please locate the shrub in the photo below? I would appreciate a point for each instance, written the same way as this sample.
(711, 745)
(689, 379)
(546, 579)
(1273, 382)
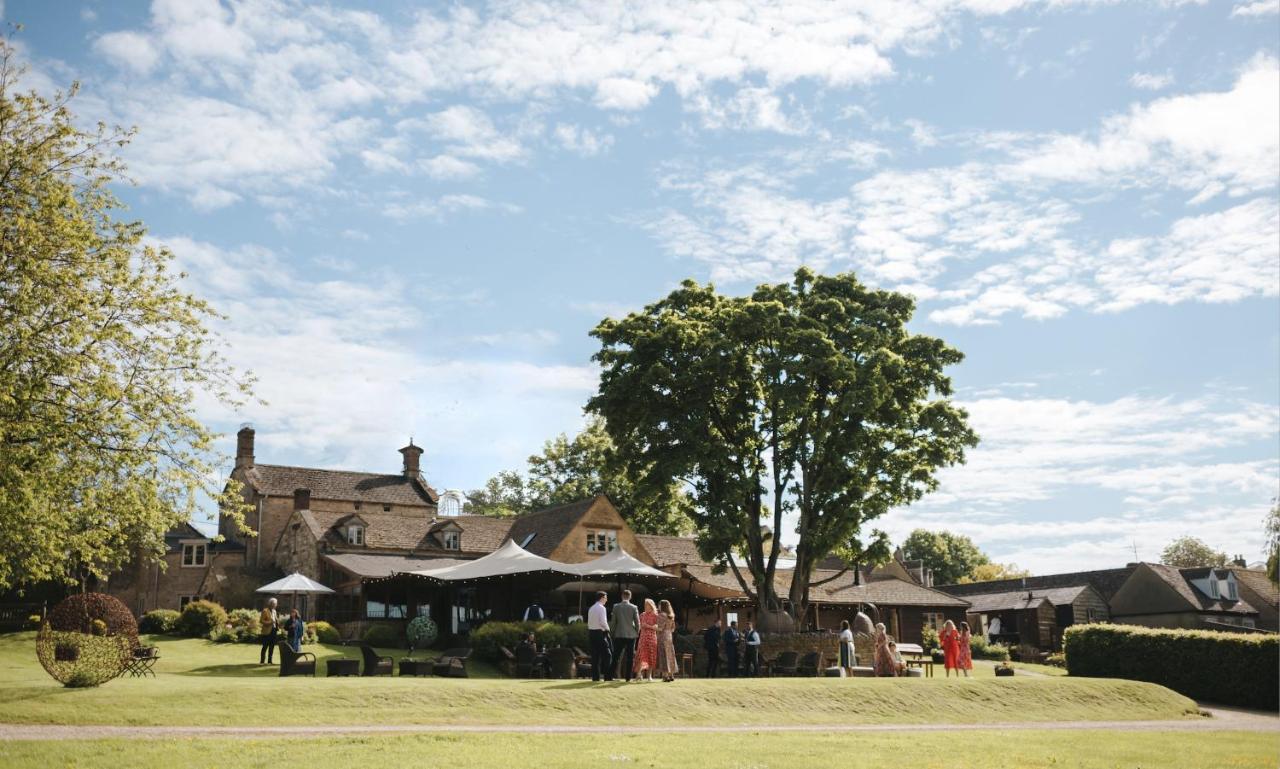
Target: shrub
(324, 632)
(486, 639)
(929, 639)
(1057, 660)
(33, 622)
(982, 649)
(1227, 668)
(224, 635)
(577, 635)
(200, 618)
(159, 621)
(245, 620)
(422, 632)
(386, 635)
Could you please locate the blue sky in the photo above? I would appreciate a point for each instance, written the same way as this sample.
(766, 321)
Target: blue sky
(413, 214)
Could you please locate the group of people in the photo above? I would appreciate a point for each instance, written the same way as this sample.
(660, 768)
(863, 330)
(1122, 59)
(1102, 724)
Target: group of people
(887, 660)
(732, 638)
(269, 620)
(629, 642)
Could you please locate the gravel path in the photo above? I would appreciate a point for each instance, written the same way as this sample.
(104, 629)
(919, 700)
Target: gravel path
(1220, 719)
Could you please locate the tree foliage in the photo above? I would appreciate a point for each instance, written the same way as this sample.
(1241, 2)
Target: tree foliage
(1273, 541)
(989, 572)
(952, 557)
(1189, 552)
(102, 355)
(806, 401)
(569, 469)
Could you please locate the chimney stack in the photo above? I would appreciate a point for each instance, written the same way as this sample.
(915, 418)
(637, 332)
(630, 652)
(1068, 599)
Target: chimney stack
(412, 460)
(302, 499)
(244, 447)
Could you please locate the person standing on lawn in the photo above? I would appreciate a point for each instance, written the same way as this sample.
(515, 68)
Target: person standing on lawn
(625, 627)
(269, 622)
(666, 641)
(964, 658)
(752, 639)
(731, 639)
(949, 638)
(294, 628)
(598, 632)
(847, 658)
(884, 665)
(647, 648)
(711, 642)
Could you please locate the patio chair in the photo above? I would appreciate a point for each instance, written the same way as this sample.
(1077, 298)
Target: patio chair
(785, 664)
(525, 659)
(294, 663)
(508, 663)
(560, 662)
(452, 662)
(809, 664)
(375, 665)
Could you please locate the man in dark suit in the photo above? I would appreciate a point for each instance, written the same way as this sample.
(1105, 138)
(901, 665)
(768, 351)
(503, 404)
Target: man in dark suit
(731, 638)
(624, 626)
(711, 642)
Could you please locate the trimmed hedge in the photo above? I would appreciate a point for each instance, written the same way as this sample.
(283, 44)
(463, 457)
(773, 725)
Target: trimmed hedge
(384, 635)
(201, 618)
(324, 632)
(1226, 668)
(982, 649)
(486, 639)
(159, 621)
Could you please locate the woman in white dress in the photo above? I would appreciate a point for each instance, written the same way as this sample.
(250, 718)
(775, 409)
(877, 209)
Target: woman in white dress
(847, 658)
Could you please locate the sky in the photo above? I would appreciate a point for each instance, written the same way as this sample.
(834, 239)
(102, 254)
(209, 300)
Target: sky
(413, 214)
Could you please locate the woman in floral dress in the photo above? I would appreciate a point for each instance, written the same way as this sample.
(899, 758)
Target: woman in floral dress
(949, 637)
(884, 662)
(666, 644)
(964, 659)
(647, 649)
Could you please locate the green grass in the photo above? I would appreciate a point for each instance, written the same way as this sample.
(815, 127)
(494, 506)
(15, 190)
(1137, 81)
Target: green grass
(1047, 670)
(985, 749)
(203, 683)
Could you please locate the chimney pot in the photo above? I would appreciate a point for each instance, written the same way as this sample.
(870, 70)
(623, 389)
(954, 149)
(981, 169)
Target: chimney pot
(244, 447)
(302, 499)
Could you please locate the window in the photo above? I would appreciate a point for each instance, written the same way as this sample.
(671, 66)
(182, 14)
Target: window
(183, 600)
(357, 505)
(602, 541)
(528, 538)
(355, 535)
(1232, 595)
(1213, 588)
(193, 554)
(386, 508)
(1090, 615)
(1248, 622)
(934, 620)
(453, 540)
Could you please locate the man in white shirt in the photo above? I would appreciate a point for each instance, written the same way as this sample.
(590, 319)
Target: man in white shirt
(752, 637)
(598, 631)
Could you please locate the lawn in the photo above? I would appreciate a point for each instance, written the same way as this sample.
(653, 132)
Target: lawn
(985, 749)
(203, 683)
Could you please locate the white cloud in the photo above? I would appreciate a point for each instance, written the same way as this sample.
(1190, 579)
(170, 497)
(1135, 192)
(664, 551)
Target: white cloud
(439, 208)
(623, 93)
(448, 167)
(1151, 81)
(468, 132)
(581, 140)
(1257, 8)
(129, 49)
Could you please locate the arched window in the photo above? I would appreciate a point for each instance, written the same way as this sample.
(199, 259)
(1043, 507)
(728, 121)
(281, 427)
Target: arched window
(452, 503)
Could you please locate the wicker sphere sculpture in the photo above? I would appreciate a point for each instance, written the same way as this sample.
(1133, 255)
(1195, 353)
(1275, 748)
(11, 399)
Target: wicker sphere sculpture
(87, 640)
(422, 632)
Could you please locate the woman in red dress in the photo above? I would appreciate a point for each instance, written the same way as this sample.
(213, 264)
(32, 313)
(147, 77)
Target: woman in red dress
(965, 661)
(647, 649)
(950, 640)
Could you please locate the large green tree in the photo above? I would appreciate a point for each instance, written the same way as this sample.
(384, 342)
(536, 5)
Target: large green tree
(102, 355)
(952, 557)
(1272, 531)
(1189, 552)
(806, 404)
(568, 469)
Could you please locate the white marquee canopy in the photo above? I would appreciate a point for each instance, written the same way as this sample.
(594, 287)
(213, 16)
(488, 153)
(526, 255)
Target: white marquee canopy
(506, 561)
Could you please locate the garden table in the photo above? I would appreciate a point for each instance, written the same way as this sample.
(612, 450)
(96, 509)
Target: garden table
(342, 667)
(924, 664)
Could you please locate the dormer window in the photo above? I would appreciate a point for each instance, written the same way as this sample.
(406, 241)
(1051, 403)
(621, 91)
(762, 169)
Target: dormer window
(193, 554)
(453, 540)
(355, 535)
(1230, 587)
(602, 541)
(1213, 587)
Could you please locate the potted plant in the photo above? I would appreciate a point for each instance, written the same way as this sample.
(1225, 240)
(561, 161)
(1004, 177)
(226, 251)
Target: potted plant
(1004, 669)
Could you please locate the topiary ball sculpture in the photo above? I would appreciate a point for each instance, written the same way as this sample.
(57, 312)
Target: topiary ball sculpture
(87, 640)
(422, 632)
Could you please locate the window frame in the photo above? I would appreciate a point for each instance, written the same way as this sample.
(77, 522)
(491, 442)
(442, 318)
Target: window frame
(602, 540)
(452, 536)
(935, 620)
(355, 535)
(191, 548)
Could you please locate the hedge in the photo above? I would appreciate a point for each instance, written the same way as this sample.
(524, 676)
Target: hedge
(159, 621)
(201, 618)
(1226, 668)
(486, 639)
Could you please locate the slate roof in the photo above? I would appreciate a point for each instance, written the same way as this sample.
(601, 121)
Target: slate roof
(889, 591)
(1258, 582)
(1105, 581)
(375, 488)
(1180, 581)
(1015, 601)
(385, 531)
(667, 550)
(384, 565)
(551, 525)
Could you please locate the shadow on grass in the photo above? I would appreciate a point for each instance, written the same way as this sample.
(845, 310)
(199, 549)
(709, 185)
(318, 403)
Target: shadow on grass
(242, 670)
(581, 684)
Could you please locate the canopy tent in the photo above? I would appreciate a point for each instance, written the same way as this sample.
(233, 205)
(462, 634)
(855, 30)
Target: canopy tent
(295, 584)
(507, 561)
(616, 563)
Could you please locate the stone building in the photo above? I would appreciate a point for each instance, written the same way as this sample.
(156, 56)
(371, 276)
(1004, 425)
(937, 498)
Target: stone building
(193, 567)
